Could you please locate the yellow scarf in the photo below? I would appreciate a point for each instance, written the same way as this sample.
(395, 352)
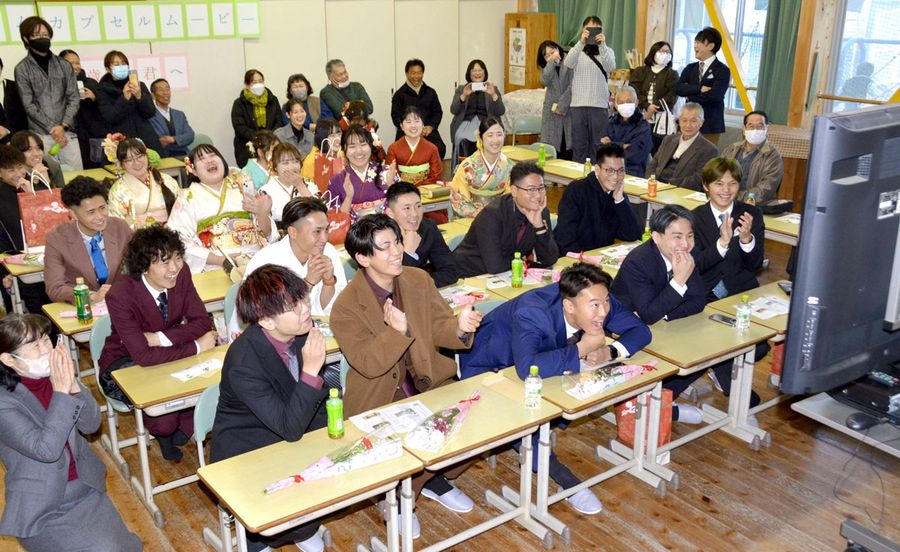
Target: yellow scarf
(259, 106)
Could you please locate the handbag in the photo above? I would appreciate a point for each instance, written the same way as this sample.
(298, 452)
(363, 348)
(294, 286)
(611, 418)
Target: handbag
(327, 165)
(665, 121)
(625, 412)
(40, 210)
(338, 221)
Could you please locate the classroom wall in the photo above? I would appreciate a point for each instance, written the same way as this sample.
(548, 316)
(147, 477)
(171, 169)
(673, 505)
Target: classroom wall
(373, 37)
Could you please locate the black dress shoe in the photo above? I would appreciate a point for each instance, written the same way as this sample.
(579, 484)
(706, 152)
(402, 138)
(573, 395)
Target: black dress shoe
(169, 451)
(179, 438)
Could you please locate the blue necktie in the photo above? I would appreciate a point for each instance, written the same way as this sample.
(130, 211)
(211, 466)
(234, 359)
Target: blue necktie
(720, 291)
(97, 259)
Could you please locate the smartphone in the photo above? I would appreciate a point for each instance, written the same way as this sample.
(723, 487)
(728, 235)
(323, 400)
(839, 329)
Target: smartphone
(592, 34)
(133, 78)
(479, 86)
(723, 319)
(786, 287)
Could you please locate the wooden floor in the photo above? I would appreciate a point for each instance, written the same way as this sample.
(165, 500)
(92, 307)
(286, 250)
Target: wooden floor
(730, 498)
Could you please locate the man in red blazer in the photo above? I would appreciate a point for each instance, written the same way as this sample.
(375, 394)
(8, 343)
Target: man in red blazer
(157, 316)
(90, 246)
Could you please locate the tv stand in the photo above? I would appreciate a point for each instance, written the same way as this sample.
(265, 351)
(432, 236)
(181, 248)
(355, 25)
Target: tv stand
(825, 410)
(860, 539)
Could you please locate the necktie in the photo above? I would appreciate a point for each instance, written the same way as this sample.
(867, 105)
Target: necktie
(701, 71)
(721, 218)
(163, 301)
(576, 337)
(293, 364)
(669, 275)
(100, 268)
(720, 291)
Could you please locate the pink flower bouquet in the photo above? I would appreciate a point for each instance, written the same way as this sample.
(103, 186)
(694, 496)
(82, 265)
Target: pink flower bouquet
(436, 430)
(372, 449)
(588, 383)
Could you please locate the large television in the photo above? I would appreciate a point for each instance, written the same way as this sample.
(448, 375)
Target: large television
(845, 303)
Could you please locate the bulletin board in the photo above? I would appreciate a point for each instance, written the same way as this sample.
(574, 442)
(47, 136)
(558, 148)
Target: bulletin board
(92, 22)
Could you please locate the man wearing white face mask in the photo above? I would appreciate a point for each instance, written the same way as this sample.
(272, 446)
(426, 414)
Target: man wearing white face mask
(629, 129)
(762, 165)
(340, 90)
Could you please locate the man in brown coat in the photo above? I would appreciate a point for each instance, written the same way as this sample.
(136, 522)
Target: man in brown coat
(390, 320)
(762, 164)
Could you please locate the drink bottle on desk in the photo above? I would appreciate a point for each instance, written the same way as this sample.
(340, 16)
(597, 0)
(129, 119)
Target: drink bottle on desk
(518, 271)
(652, 184)
(751, 199)
(646, 235)
(334, 408)
(542, 156)
(742, 319)
(587, 166)
(533, 387)
(82, 301)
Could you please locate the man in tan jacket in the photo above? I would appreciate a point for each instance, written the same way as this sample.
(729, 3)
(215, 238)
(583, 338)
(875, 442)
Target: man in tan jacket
(390, 320)
(762, 164)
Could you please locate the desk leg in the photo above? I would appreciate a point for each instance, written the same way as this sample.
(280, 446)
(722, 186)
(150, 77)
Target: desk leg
(406, 511)
(739, 405)
(393, 531)
(634, 460)
(241, 535)
(144, 486)
(651, 460)
(18, 306)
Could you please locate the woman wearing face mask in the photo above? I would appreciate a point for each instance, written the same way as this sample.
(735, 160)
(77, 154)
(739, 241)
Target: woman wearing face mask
(43, 170)
(141, 195)
(220, 214)
(327, 141)
(125, 102)
(629, 129)
(298, 88)
(255, 109)
(556, 127)
(482, 176)
(286, 183)
(361, 186)
(655, 82)
(472, 103)
(54, 480)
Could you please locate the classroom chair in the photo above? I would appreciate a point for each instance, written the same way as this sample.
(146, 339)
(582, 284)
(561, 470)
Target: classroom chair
(200, 139)
(549, 150)
(454, 241)
(100, 330)
(526, 124)
(204, 416)
(349, 267)
(230, 300)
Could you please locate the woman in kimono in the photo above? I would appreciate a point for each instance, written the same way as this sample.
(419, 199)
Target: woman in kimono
(141, 194)
(418, 161)
(360, 188)
(286, 183)
(259, 166)
(483, 175)
(220, 214)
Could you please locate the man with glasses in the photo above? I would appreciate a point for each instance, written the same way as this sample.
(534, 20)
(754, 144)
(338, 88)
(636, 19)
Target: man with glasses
(517, 222)
(762, 165)
(49, 92)
(681, 157)
(594, 211)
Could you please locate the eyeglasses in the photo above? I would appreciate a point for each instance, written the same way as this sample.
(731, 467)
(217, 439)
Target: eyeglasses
(535, 190)
(135, 158)
(613, 172)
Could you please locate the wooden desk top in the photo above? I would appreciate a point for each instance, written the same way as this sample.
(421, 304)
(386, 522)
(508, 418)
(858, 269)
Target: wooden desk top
(553, 391)
(673, 196)
(452, 229)
(497, 414)
(212, 285)
(239, 481)
(97, 174)
(21, 270)
(778, 323)
(519, 153)
(153, 385)
(565, 169)
(68, 326)
(780, 226)
(690, 341)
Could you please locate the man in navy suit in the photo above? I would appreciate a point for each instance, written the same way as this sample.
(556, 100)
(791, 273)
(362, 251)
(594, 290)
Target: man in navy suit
(554, 328)
(706, 82)
(658, 281)
(171, 125)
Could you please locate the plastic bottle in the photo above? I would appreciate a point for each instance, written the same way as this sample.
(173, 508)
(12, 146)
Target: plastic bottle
(533, 387)
(83, 301)
(542, 156)
(587, 166)
(646, 235)
(742, 319)
(518, 271)
(54, 149)
(652, 184)
(334, 408)
(751, 198)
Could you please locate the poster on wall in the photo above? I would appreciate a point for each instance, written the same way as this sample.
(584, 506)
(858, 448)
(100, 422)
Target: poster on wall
(516, 75)
(517, 47)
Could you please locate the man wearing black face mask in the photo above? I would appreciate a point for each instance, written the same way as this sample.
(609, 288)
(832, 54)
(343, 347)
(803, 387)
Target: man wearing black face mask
(49, 93)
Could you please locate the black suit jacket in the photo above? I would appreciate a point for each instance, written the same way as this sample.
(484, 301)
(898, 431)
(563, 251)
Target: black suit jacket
(642, 285)
(717, 76)
(737, 269)
(428, 103)
(589, 218)
(434, 255)
(690, 165)
(260, 404)
(12, 112)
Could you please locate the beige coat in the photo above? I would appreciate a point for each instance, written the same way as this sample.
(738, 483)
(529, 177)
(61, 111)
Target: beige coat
(765, 175)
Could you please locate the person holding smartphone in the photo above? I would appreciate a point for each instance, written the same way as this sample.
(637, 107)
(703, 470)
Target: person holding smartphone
(472, 102)
(591, 61)
(126, 103)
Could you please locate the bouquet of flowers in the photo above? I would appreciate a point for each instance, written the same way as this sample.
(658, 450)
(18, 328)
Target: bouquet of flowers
(372, 449)
(435, 431)
(588, 383)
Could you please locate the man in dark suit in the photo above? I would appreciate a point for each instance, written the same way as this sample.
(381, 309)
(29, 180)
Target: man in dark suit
(681, 156)
(91, 246)
(415, 92)
(706, 82)
(12, 112)
(516, 222)
(271, 390)
(554, 328)
(156, 317)
(658, 281)
(594, 211)
(423, 245)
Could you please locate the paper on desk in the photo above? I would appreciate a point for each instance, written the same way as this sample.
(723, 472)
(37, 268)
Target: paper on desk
(202, 370)
(768, 307)
(790, 218)
(324, 327)
(504, 279)
(635, 181)
(697, 196)
(26, 259)
(97, 309)
(399, 418)
(615, 255)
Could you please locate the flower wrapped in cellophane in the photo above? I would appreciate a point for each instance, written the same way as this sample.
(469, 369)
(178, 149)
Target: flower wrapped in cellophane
(433, 433)
(372, 449)
(588, 383)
